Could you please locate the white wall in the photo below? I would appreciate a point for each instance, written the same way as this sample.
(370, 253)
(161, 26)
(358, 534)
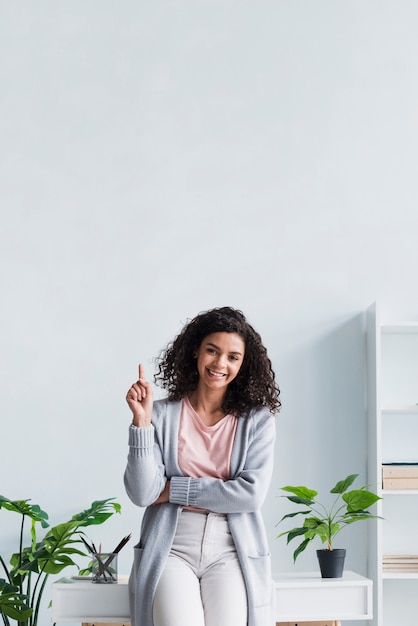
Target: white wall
(162, 158)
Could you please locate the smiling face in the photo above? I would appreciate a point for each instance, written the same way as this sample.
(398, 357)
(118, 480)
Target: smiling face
(219, 359)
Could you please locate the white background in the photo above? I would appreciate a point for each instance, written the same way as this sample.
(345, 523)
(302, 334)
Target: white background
(162, 158)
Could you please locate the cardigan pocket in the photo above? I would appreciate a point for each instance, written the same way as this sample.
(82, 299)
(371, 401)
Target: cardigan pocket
(138, 552)
(260, 579)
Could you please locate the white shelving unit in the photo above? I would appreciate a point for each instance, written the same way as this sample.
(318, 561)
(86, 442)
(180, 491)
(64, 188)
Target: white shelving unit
(392, 376)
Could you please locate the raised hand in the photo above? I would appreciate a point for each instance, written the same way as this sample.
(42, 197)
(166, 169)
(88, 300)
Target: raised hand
(140, 400)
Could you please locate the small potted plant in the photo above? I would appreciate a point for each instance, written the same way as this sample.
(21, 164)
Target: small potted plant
(22, 590)
(326, 522)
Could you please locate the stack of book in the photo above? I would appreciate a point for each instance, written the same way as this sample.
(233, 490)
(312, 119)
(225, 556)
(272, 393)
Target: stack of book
(400, 563)
(400, 476)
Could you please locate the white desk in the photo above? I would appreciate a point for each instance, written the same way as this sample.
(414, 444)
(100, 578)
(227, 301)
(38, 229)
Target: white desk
(303, 596)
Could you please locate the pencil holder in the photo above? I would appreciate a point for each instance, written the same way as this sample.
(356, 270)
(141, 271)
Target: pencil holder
(105, 567)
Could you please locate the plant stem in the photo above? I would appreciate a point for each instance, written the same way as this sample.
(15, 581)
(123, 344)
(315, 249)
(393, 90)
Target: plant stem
(6, 571)
(28, 586)
(21, 550)
(34, 616)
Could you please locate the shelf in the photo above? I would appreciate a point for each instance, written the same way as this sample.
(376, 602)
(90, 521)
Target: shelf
(400, 409)
(399, 492)
(400, 328)
(392, 411)
(399, 575)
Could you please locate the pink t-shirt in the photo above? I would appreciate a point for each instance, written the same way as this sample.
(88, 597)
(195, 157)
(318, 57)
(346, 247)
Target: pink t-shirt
(205, 450)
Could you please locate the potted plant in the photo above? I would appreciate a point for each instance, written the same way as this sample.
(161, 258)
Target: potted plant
(326, 522)
(22, 590)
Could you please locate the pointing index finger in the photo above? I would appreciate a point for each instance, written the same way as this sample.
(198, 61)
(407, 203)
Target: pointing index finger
(141, 371)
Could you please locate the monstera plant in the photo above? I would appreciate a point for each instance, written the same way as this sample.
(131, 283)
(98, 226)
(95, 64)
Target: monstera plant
(21, 590)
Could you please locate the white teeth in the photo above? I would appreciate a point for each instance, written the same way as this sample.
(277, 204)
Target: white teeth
(216, 374)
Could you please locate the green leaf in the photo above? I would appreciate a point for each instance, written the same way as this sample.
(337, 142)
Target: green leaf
(295, 532)
(58, 564)
(12, 603)
(23, 508)
(53, 555)
(356, 516)
(61, 532)
(86, 571)
(359, 499)
(301, 548)
(303, 493)
(343, 485)
(98, 513)
(317, 530)
(312, 522)
(298, 500)
(293, 515)
(29, 566)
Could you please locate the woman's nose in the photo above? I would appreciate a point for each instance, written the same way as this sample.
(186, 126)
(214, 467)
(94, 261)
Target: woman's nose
(221, 360)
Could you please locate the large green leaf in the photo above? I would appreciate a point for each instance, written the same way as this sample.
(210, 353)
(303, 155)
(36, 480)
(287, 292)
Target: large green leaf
(359, 499)
(22, 507)
(320, 530)
(305, 495)
(61, 532)
(298, 500)
(356, 516)
(54, 553)
(12, 603)
(98, 513)
(301, 547)
(343, 485)
(312, 522)
(18, 558)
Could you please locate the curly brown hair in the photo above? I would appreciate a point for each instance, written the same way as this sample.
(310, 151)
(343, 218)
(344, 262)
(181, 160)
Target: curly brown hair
(255, 384)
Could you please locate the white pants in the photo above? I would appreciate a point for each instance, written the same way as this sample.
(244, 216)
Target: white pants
(202, 582)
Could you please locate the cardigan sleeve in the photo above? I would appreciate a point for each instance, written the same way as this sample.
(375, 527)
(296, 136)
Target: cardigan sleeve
(144, 476)
(247, 490)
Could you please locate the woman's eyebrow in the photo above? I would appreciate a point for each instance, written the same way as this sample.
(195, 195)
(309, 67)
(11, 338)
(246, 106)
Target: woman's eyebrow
(209, 343)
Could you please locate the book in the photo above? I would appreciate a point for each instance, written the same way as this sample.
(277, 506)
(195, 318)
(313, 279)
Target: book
(400, 558)
(400, 563)
(400, 483)
(400, 470)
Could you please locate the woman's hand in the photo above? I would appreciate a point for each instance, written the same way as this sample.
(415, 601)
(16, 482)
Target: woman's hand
(140, 400)
(164, 495)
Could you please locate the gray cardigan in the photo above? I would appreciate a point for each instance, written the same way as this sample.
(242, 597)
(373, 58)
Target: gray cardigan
(152, 459)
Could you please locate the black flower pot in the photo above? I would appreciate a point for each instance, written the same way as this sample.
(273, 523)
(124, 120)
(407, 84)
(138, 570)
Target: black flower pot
(331, 562)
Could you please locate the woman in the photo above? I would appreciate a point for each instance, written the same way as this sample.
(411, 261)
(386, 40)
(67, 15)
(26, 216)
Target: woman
(201, 462)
